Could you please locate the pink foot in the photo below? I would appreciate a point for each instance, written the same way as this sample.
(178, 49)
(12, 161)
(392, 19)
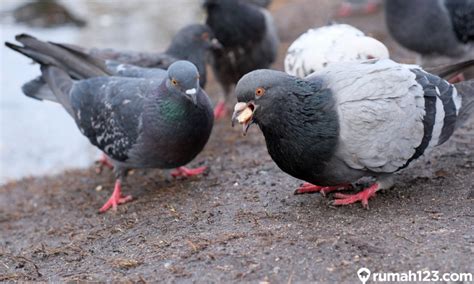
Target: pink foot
(103, 162)
(457, 78)
(116, 198)
(371, 8)
(363, 196)
(311, 188)
(220, 111)
(345, 10)
(185, 172)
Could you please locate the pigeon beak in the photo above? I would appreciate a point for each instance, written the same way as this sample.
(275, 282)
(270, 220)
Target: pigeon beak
(191, 94)
(215, 44)
(243, 114)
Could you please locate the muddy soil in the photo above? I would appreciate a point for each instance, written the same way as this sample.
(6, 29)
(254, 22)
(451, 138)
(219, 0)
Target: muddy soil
(240, 222)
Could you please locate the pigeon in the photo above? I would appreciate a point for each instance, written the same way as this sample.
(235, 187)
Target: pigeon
(440, 31)
(161, 119)
(318, 47)
(249, 39)
(192, 43)
(351, 120)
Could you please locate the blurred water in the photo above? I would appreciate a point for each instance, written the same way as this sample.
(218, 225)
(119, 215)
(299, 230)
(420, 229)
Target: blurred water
(38, 138)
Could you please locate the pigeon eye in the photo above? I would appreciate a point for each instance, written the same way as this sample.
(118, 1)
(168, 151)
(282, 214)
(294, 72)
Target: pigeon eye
(259, 92)
(205, 36)
(174, 82)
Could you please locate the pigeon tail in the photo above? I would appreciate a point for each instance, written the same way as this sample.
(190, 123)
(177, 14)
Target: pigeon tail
(60, 84)
(76, 63)
(37, 89)
(466, 90)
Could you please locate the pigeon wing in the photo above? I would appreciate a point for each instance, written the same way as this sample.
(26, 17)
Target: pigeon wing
(108, 111)
(381, 108)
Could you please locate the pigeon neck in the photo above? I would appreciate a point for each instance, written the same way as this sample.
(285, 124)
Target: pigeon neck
(195, 53)
(302, 133)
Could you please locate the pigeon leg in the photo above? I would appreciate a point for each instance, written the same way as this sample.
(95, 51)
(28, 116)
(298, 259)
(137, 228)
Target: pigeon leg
(370, 8)
(457, 78)
(311, 188)
(220, 111)
(103, 162)
(185, 172)
(116, 198)
(347, 9)
(363, 196)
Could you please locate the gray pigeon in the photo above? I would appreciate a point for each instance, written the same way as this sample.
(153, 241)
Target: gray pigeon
(141, 118)
(441, 31)
(249, 39)
(351, 120)
(193, 43)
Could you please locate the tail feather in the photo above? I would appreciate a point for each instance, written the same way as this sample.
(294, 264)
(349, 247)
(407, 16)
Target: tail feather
(60, 84)
(38, 89)
(466, 90)
(76, 63)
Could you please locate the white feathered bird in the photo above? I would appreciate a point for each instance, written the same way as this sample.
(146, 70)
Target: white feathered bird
(316, 48)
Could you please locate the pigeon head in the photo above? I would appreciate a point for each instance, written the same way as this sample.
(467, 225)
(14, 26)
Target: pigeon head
(193, 38)
(259, 95)
(183, 80)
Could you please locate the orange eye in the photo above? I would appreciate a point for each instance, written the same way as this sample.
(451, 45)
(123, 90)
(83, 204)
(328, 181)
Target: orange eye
(174, 82)
(259, 92)
(205, 36)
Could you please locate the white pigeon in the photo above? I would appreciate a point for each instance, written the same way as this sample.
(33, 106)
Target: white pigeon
(318, 47)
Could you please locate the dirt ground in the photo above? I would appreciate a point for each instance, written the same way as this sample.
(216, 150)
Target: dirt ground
(240, 222)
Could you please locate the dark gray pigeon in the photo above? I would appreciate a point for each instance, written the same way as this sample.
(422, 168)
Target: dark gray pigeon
(351, 120)
(441, 31)
(193, 43)
(249, 37)
(142, 118)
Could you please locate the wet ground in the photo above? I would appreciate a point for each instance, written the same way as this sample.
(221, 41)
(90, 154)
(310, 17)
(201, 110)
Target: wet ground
(240, 222)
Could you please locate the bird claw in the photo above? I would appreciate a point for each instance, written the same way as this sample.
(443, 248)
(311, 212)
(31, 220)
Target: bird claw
(103, 162)
(362, 196)
(185, 172)
(307, 188)
(116, 199)
(347, 9)
(457, 78)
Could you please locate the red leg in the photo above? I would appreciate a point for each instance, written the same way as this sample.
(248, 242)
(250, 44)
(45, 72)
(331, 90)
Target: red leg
(311, 188)
(457, 78)
(116, 198)
(220, 110)
(362, 196)
(345, 10)
(371, 8)
(185, 172)
(103, 162)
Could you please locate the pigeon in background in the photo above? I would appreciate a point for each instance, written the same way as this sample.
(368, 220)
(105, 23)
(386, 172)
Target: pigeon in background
(249, 39)
(319, 47)
(162, 119)
(442, 32)
(193, 43)
(351, 120)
